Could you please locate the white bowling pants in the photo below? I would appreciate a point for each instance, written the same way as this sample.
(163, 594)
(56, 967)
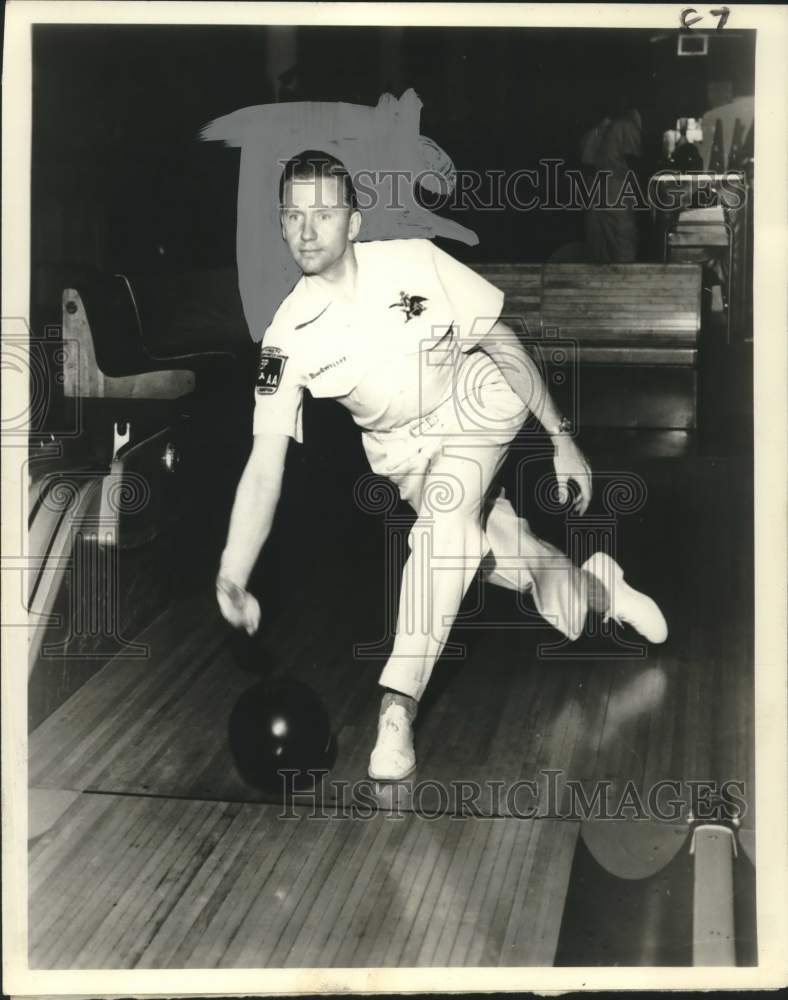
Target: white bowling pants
(444, 464)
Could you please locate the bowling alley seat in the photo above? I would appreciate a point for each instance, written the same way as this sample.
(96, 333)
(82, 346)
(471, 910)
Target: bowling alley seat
(617, 343)
(110, 353)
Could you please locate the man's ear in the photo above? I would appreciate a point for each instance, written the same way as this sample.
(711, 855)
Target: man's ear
(355, 224)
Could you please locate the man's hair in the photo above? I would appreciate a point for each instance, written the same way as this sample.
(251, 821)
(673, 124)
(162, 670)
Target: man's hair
(313, 163)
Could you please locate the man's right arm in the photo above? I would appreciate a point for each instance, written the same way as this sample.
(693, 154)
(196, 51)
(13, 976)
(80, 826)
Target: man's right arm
(277, 418)
(255, 503)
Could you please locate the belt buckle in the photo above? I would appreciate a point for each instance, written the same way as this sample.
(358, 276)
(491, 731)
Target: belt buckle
(421, 425)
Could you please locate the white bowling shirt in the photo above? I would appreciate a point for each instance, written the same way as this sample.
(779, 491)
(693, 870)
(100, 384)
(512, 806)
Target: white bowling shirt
(389, 356)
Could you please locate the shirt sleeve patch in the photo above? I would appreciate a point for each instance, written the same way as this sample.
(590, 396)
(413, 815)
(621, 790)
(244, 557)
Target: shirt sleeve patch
(270, 370)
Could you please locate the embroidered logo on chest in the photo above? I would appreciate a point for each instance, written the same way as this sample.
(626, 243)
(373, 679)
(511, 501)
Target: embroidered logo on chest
(270, 370)
(328, 367)
(411, 305)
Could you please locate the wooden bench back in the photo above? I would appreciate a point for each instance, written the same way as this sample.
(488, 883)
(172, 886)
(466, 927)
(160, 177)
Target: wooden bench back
(643, 305)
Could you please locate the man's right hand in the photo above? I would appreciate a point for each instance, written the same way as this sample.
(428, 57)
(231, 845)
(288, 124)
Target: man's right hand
(238, 606)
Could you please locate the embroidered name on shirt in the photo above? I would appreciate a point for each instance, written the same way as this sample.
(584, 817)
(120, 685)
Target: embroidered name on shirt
(411, 305)
(269, 371)
(325, 368)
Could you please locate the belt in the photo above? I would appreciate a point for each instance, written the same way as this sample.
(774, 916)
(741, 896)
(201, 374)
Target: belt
(422, 424)
(415, 427)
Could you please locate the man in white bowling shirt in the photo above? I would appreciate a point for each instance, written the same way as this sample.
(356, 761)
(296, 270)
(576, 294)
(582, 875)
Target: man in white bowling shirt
(410, 342)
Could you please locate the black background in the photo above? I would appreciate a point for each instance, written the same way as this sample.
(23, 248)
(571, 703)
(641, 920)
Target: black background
(120, 179)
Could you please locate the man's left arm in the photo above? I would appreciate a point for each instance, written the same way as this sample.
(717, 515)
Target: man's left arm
(521, 372)
(474, 298)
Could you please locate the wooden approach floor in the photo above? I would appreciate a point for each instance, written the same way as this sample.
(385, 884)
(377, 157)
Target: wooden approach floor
(165, 858)
(175, 883)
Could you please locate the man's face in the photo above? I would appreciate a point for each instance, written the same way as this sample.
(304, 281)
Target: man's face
(317, 224)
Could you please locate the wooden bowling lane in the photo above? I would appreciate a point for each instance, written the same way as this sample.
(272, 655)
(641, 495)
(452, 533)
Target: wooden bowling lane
(505, 713)
(139, 882)
(160, 727)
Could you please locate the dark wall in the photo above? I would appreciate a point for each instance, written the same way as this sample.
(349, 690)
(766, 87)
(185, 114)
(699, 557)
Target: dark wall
(120, 181)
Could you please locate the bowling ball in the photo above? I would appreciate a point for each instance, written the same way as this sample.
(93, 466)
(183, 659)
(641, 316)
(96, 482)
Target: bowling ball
(279, 725)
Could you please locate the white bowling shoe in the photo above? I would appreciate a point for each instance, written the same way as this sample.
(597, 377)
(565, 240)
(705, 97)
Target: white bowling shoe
(627, 604)
(393, 757)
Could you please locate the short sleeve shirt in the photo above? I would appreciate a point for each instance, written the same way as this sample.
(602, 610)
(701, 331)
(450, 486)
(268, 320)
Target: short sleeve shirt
(391, 355)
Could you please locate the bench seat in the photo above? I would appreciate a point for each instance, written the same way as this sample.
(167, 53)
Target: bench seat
(618, 343)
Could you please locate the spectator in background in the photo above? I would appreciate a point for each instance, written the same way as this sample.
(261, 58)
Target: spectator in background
(613, 147)
(685, 156)
(589, 144)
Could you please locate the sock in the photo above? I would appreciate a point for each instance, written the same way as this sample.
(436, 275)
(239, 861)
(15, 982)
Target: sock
(598, 597)
(410, 705)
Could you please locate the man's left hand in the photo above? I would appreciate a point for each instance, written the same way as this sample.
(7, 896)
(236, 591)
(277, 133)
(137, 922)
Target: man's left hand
(571, 466)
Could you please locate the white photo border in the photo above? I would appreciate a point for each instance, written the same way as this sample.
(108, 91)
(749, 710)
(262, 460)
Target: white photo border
(771, 539)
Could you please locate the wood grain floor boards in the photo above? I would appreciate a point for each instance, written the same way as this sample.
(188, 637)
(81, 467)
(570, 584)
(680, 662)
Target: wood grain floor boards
(196, 884)
(353, 947)
(168, 884)
(355, 744)
(108, 688)
(549, 730)
(116, 904)
(52, 743)
(441, 724)
(519, 718)
(500, 946)
(90, 884)
(351, 918)
(435, 884)
(329, 893)
(149, 761)
(98, 748)
(394, 893)
(154, 886)
(408, 902)
(491, 692)
(449, 903)
(221, 916)
(656, 766)
(471, 926)
(455, 904)
(166, 733)
(65, 739)
(486, 943)
(73, 880)
(353, 871)
(648, 698)
(52, 851)
(194, 911)
(246, 893)
(501, 727)
(79, 875)
(303, 891)
(164, 882)
(538, 935)
(573, 714)
(621, 757)
(585, 755)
